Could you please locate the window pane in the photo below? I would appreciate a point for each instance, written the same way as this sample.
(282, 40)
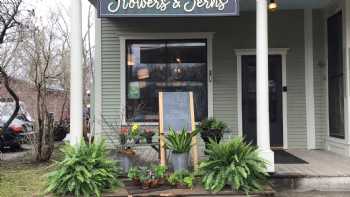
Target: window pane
(169, 65)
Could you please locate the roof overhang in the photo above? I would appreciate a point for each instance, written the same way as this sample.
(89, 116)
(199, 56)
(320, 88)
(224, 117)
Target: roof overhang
(250, 5)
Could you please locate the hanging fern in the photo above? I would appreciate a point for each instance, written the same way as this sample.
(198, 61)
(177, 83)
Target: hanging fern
(84, 171)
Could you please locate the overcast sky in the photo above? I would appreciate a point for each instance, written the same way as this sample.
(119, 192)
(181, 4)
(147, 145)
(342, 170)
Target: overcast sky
(43, 8)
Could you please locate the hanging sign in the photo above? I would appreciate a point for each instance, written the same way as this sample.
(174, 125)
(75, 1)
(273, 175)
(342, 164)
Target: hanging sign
(168, 8)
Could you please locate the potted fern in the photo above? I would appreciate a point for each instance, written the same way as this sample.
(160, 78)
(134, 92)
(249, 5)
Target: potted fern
(211, 129)
(180, 145)
(84, 171)
(236, 164)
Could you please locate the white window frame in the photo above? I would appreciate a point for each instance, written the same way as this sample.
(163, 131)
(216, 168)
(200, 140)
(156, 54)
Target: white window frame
(272, 51)
(331, 141)
(165, 36)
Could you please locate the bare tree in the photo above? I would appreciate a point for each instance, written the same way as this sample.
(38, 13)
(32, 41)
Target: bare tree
(9, 42)
(43, 49)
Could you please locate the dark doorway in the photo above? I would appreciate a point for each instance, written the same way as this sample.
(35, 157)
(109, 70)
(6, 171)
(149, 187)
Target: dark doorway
(275, 97)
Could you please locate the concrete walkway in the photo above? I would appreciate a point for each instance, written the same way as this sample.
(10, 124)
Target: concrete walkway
(320, 164)
(325, 171)
(313, 194)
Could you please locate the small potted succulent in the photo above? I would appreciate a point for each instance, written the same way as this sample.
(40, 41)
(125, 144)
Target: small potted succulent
(148, 135)
(148, 177)
(135, 132)
(160, 173)
(123, 135)
(181, 179)
(211, 129)
(134, 175)
(180, 145)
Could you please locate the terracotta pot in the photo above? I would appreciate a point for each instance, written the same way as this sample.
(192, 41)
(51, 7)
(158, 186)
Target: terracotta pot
(146, 184)
(155, 183)
(136, 181)
(180, 186)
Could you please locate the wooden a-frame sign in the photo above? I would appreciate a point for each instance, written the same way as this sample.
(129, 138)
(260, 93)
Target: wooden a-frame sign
(176, 111)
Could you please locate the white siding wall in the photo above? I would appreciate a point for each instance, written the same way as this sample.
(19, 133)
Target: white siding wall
(320, 79)
(286, 31)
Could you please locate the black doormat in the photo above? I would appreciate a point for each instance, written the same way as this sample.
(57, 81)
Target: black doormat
(284, 157)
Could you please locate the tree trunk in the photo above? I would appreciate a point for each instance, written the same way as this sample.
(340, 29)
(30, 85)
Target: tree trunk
(13, 95)
(45, 142)
(63, 107)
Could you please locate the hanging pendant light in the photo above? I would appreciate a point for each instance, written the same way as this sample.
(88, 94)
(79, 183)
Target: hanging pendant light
(273, 5)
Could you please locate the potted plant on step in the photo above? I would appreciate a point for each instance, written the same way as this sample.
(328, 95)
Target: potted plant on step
(125, 156)
(148, 135)
(181, 179)
(135, 132)
(235, 164)
(180, 145)
(211, 129)
(148, 177)
(123, 135)
(134, 175)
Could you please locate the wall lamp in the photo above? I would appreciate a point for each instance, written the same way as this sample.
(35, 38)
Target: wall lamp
(273, 5)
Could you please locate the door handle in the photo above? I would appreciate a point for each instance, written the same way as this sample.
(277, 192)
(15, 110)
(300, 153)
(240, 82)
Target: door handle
(285, 89)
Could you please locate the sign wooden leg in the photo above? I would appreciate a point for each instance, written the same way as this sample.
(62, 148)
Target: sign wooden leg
(162, 151)
(195, 153)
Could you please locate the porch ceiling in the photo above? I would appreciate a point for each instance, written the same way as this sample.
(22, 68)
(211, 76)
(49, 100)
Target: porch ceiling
(249, 5)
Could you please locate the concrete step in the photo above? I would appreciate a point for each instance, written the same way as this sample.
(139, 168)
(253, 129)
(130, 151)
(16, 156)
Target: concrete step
(301, 183)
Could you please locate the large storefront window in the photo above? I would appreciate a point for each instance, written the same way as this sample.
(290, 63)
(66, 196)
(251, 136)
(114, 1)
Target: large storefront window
(335, 76)
(168, 66)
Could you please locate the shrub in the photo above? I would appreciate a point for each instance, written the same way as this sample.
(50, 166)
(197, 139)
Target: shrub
(84, 171)
(234, 163)
(180, 142)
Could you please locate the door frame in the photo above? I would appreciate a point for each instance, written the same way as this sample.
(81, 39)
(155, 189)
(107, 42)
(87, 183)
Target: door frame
(272, 51)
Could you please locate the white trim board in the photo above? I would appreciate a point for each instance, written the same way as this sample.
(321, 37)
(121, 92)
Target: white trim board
(309, 79)
(98, 81)
(163, 36)
(273, 51)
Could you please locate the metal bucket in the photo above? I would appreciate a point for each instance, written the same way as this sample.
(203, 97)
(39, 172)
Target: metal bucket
(180, 161)
(125, 162)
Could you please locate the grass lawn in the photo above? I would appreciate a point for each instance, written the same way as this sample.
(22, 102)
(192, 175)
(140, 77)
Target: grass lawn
(21, 177)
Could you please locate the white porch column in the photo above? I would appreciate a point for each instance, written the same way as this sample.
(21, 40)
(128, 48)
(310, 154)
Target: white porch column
(76, 79)
(262, 83)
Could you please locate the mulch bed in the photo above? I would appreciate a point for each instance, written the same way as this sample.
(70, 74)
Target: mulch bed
(131, 190)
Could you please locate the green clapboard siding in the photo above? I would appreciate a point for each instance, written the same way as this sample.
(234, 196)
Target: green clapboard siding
(230, 33)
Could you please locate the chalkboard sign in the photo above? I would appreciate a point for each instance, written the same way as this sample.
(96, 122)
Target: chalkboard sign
(176, 111)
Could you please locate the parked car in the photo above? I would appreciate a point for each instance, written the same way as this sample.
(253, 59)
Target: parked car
(20, 127)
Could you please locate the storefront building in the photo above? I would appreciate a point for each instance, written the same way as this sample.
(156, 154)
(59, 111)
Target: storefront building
(281, 78)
